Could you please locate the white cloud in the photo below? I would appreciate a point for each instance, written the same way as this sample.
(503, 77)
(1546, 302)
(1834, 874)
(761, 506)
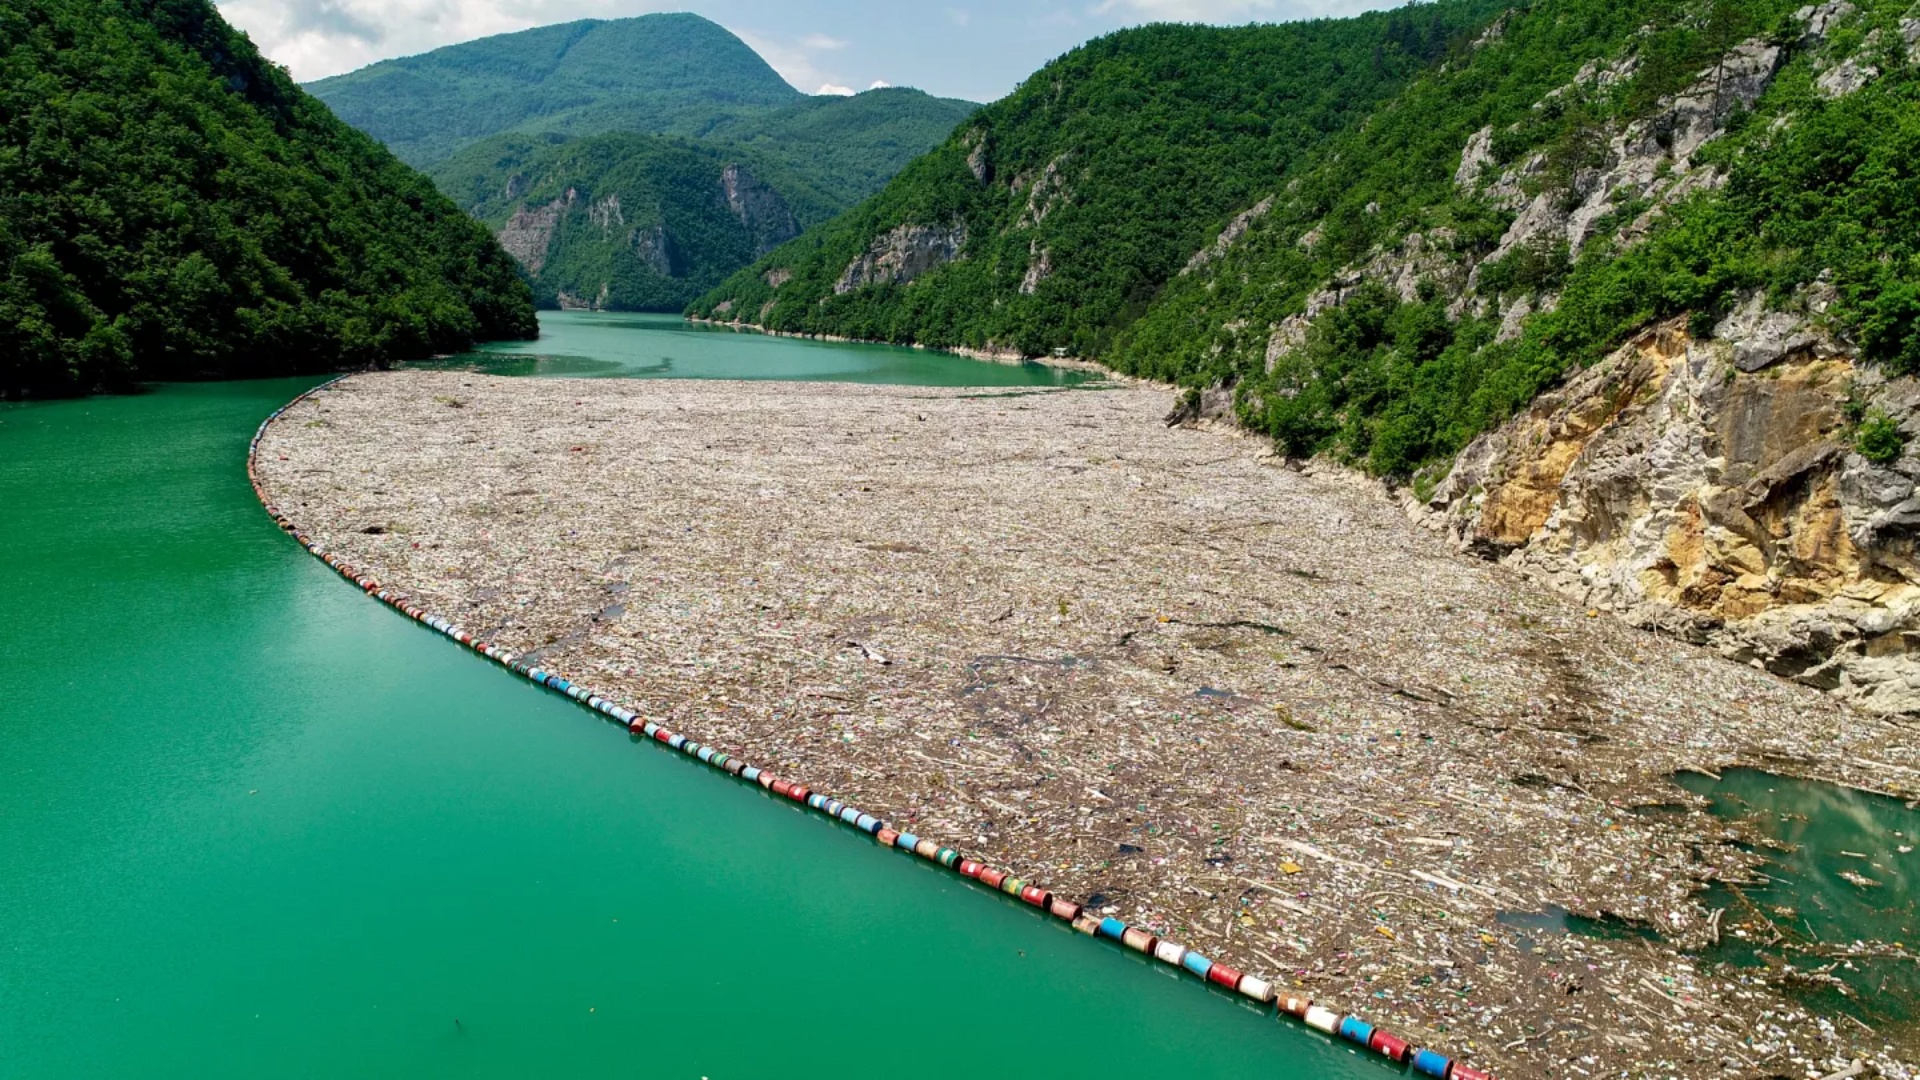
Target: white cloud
(879, 84)
(822, 42)
(317, 38)
(830, 90)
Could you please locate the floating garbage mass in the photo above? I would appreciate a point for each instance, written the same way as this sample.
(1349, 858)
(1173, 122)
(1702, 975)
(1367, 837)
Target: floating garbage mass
(1390, 1047)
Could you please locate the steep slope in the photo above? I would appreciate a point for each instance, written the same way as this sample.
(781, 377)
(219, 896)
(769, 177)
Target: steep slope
(628, 222)
(175, 208)
(848, 146)
(1053, 217)
(582, 78)
(1682, 249)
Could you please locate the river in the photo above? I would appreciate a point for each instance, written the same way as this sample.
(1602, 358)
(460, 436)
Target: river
(252, 823)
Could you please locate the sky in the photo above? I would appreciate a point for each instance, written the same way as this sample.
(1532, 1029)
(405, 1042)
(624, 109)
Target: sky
(973, 49)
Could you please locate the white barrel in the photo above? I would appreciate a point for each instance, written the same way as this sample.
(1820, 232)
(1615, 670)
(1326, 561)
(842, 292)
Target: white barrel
(1169, 952)
(1320, 1019)
(1256, 988)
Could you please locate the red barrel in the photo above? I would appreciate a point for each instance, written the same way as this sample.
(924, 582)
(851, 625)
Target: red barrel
(1463, 1072)
(1389, 1045)
(661, 734)
(1064, 909)
(991, 877)
(638, 727)
(798, 792)
(970, 868)
(782, 787)
(1037, 896)
(1224, 976)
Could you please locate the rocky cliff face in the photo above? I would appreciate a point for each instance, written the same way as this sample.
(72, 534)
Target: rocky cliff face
(1711, 488)
(529, 232)
(759, 209)
(903, 254)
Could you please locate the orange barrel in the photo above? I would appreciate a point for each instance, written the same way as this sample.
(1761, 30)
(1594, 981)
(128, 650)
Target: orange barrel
(1037, 896)
(1064, 909)
(638, 727)
(1222, 975)
(1086, 924)
(781, 787)
(798, 793)
(1320, 1019)
(1463, 1072)
(1256, 988)
(1170, 952)
(970, 868)
(1138, 940)
(1390, 1046)
(992, 878)
(926, 849)
(886, 836)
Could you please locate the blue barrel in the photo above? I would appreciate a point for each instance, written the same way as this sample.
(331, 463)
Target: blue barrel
(816, 801)
(1196, 963)
(849, 815)
(649, 728)
(1113, 928)
(750, 774)
(1428, 1063)
(907, 840)
(705, 754)
(536, 675)
(1354, 1029)
(832, 807)
(677, 741)
(867, 823)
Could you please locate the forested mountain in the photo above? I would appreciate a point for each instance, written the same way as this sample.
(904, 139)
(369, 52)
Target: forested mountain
(1055, 215)
(848, 147)
(173, 206)
(629, 222)
(1583, 171)
(653, 73)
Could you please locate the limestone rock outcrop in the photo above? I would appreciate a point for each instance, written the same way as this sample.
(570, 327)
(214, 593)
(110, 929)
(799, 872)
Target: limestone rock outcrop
(1710, 489)
(899, 256)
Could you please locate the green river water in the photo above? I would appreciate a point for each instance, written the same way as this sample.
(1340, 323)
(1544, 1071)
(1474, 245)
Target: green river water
(254, 824)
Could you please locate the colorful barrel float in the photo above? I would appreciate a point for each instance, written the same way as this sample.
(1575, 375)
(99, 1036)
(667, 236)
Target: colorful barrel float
(1322, 1019)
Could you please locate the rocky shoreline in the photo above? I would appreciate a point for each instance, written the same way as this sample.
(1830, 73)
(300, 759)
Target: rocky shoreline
(1257, 710)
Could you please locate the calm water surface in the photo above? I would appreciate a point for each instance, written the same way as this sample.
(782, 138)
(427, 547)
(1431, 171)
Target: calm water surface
(583, 344)
(252, 824)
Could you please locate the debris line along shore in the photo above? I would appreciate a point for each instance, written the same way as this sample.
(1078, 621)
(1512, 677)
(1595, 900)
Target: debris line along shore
(1314, 1014)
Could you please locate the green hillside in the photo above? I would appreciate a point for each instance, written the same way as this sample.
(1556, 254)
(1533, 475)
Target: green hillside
(629, 222)
(1390, 308)
(174, 207)
(849, 147)
(1053, 217)
(648, 74)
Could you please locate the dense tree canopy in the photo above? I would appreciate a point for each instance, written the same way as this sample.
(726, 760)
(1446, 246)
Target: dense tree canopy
(1815, 185)
(172, 206)
(1091, 185)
